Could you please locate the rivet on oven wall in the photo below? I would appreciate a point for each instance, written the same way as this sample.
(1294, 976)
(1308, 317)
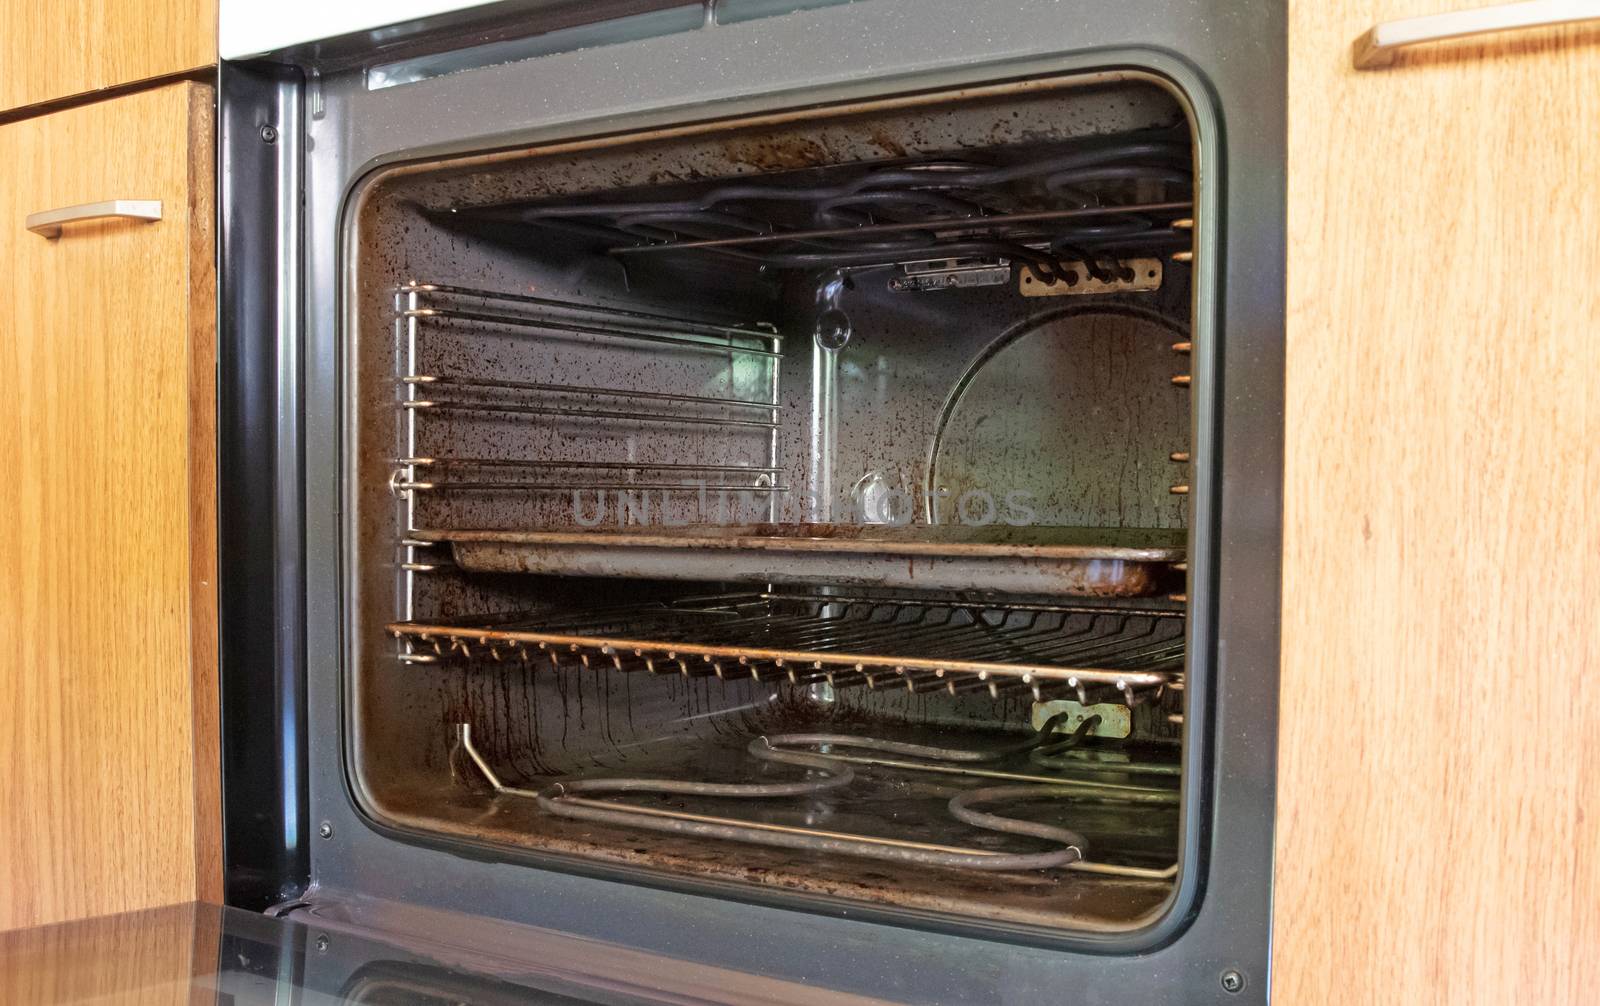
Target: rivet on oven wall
(325, 829)
(1232, 980)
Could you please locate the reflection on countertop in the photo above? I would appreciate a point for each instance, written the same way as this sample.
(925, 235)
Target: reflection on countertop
(197, 953)
(324, 953)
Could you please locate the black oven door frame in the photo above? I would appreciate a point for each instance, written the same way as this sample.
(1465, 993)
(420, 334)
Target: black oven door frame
(296, 134)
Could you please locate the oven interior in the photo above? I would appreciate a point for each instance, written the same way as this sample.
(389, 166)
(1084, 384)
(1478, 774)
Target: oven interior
(796, 503)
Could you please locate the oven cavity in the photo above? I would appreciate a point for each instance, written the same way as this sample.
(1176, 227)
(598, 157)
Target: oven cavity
(799, 503)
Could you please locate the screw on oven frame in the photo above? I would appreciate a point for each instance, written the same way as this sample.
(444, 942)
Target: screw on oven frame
(322, 943)
(269, 133)
(325, 829)
(1232, 981)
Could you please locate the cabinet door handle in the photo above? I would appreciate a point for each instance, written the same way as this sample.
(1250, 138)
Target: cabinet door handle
(48, 223)
(1377, 47)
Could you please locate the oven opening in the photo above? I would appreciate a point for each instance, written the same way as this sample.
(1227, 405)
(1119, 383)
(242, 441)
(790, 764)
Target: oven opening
(798, 502)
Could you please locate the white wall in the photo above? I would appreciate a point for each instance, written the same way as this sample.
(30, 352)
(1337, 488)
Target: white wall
(251, 27)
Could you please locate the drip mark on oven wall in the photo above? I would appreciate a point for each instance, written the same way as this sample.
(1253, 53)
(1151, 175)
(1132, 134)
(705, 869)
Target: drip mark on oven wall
(583, 722)
(627, 703)
(530, 720)
(604, 686)
(561, 693)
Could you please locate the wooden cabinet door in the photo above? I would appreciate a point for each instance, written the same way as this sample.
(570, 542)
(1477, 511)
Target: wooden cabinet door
(1438, 836)
(108, 708)
(52, 49)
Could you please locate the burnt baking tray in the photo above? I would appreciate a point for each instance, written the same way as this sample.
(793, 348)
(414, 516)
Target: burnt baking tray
(1093, 562)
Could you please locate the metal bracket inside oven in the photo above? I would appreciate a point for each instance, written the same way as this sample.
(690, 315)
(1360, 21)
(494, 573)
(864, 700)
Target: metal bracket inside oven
(1134, 275)
(951, 273)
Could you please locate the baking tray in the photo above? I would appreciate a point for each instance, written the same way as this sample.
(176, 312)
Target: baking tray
(1088, 562)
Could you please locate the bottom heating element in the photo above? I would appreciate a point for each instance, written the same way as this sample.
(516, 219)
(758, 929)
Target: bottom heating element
(829, 769)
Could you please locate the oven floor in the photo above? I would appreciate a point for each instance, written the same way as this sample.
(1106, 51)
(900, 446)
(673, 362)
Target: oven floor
(881, 801)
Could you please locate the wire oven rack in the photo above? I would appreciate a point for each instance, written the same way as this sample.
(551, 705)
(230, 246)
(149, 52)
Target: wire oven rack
(1088, 652)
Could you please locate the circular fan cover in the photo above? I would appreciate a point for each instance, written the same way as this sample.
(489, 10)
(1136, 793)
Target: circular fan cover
(1066, 420)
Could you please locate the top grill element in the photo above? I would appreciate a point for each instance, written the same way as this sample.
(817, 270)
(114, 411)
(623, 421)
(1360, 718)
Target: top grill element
(1078, 202)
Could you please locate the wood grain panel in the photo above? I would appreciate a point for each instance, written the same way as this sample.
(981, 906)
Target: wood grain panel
(51, 49)
(147, 958)
(108, 790)
(204, 654)
(1439, 777)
